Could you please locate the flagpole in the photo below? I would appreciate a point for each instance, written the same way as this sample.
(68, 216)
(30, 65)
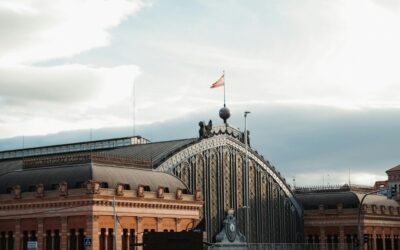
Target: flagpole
(223, 73)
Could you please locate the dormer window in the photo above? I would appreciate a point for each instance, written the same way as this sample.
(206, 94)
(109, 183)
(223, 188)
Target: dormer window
(147, 188)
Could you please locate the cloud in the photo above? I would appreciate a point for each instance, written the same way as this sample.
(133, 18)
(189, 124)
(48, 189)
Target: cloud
(39, 100)
(47, 29)
(334, 53)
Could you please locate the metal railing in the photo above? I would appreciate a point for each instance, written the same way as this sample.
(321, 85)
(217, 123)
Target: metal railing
(284, 246)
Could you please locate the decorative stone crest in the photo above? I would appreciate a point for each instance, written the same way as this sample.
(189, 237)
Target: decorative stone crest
(197, 195)
(205, 130)
(140, 191)
(160, 192)
(39, 190)
(119, 189)
(179, 194)
(230, 233)
(92, 187)
(63, 188)
(17, 192)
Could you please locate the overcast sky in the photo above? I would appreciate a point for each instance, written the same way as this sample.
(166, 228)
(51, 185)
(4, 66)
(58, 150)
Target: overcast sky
(320, 76)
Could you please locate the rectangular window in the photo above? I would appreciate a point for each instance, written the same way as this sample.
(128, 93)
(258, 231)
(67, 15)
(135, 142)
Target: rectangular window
(132, 239)
(48, 240)
(110, 239)
(57, 240)
(72, 240)
(10, 240)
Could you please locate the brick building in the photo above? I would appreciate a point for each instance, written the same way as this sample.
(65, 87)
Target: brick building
(58, 200)
(211, 174)
(330, 216)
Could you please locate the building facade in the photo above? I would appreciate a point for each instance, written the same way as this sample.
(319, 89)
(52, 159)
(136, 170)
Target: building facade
(58, 201)
(331, 216)
(218, 165)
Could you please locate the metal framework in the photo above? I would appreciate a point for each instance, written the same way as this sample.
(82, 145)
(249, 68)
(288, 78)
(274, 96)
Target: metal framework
(215, 166)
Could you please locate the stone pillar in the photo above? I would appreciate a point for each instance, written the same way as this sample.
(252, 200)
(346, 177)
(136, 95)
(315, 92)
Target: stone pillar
(119, 237)
(159, 225)
(64, 234)
(76, 239)
(106, 240)
(52, 240)
(139, 231)
(374, 241)
(384, 238)
(40, 234)
(322, 238)
(17, 234)
(127, 239)
(341, 238)
(178, 226)
(92, 230)
(6, 236)
(392, 238)
(45, 241)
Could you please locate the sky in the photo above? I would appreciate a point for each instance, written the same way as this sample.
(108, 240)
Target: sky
(320, 77)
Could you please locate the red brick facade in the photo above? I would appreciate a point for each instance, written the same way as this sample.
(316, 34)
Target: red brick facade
(61, 222)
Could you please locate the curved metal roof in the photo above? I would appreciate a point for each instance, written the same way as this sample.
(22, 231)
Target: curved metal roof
(396, 168)
(329, 200)
(155, 152)
(348, 199)
(75, 175)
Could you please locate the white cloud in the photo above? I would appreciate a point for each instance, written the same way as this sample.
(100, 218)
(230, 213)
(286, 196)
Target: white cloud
(38, 100)
(45, 99)
(334, 53)
(35, 31)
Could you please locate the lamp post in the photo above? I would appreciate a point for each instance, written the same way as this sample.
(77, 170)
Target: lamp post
(246, 180)
(115, 224)
(360, 235)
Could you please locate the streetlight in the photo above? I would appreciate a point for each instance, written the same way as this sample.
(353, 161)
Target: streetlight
(246, 179)
(359, 233)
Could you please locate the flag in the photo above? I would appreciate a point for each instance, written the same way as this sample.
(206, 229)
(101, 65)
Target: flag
(220, 82)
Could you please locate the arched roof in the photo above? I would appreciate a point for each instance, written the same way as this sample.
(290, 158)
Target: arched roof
(78, 174)
(348, 199)
(329, 200)
(156, 152)
(195, 147)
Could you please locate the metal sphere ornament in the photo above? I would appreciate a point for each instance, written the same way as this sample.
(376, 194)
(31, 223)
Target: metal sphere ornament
(224, 113)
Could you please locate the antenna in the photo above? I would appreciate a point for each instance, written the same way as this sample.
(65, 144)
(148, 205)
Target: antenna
(134, 109)
(91, 139)
(223, 75)
(23, 147)
(349, 179)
